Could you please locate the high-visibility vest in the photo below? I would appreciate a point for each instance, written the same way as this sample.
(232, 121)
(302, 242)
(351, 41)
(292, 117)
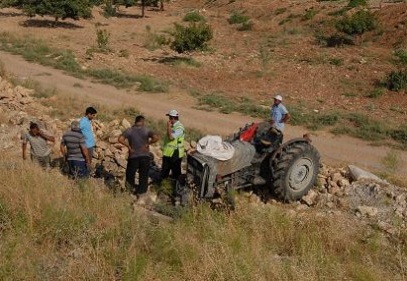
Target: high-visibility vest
(177, 143)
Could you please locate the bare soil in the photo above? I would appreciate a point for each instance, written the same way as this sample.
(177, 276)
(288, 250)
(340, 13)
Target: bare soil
(256, 64)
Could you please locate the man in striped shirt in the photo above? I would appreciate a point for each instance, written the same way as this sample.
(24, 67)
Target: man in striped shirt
(74, 149)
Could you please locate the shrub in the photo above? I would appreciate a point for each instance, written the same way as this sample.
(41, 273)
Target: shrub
(335, 40)
(192, 37)
(400, 135)
(194, 16)
(280, 11)
(358, 23)
(397, 80)
(102, 36)
(401, 56)
(336, 61)
(309, 14)
(154, 41)
(357, 3)
(238, 18)
(246, 26)
(376, 93)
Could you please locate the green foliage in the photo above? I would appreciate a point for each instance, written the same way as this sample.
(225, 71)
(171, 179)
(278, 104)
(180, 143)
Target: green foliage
(378, 92)
(280, 11)
(310, 14)
(149, 84)
(59, 9)
(312, 121)
(102, 37)
(391, 161)
(400, 135)
(194, 16)
(3, 72)
(153, 41)
(12, 3)
(192, 37)
(367, 128)
(126, 80)
(238, 17)
(396, 80)
(359, 23)
(248, 25)
(357, 3)
(336, 61)
(335, 40)
(244, 23)
(226, 105)
(109, 10)
(123, 53)
(401, 56)
(181, 61)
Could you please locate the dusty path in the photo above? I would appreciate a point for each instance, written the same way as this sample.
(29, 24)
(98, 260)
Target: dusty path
(334, 150)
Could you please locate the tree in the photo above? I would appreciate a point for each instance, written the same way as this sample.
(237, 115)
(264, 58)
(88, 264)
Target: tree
(59, 9)
(192, 37)
(11, 3)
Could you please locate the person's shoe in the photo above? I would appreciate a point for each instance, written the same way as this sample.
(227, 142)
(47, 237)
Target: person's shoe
(141, 200)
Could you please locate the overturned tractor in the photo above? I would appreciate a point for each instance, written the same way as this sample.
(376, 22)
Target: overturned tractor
(259, 158)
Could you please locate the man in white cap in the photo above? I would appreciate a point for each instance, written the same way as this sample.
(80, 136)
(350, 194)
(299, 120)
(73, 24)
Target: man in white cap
(173, 149)
(279, 113)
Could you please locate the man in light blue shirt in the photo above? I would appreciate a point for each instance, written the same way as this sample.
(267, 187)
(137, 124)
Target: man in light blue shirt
(279, 113)
(85, 124)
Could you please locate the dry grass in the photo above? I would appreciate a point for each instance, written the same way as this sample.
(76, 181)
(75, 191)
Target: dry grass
(52, 228)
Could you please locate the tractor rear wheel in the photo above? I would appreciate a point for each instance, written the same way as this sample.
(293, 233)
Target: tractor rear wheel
(294, 170)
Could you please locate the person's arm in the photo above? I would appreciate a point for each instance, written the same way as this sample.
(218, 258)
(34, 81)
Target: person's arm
(85, 153)
(24, 147)
(169, 130)
(122, 140)
(45, 136)
(63, 150)
(24, 139)
(286, 117)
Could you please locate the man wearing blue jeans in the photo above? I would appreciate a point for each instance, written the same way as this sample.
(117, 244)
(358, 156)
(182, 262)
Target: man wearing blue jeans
(138, 139)
(75, 152)
(85, 125)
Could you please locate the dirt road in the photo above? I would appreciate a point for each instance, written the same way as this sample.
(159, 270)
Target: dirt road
(335, 150)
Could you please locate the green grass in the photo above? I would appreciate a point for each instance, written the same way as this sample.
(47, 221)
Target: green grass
(37, 51)
(338, 122)
(52, 229)
(226, 105)
(391, 161)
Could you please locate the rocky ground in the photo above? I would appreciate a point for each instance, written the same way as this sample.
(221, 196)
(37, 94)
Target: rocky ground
(348, 189)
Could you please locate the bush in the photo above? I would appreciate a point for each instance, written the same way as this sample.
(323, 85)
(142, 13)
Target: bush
(193, 16)
(335, 40)
(238, 18)
(400, 135)
(102, 36)
(153, 40)
(376, 93)
(401, 55)
(356, 3)
(358, 23)
(397, 80)
(192, 37)
(310, 14)
(59, 9)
